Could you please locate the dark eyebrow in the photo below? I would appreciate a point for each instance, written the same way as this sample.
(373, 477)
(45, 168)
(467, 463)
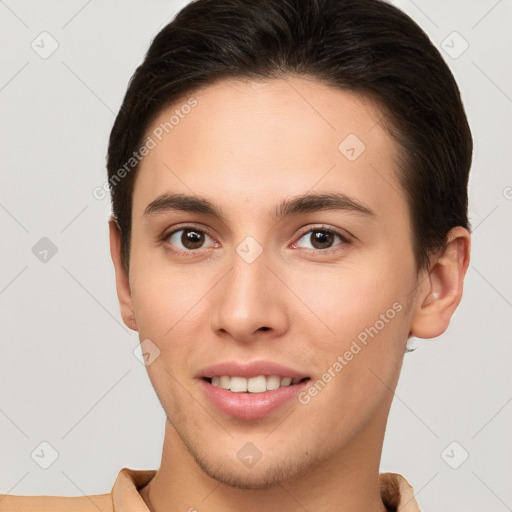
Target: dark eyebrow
(296, 205)
(315, 202)
(183, 202)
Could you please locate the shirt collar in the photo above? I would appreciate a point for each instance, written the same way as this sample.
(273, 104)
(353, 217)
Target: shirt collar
(125, 493)
(396, 492)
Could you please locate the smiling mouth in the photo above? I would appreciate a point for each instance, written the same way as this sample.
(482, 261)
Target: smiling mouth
(259, 384)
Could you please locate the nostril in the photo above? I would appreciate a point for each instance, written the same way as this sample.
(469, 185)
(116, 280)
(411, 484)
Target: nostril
(264, 328)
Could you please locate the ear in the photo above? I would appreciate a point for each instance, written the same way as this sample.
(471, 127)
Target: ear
(122, 282)
(441, 290)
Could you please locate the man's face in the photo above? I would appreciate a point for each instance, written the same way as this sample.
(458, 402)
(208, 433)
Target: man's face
(325, 292)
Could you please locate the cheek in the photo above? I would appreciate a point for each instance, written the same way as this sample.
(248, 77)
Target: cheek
(162, 293)
(362, 313)
(169, 307)
(360, 360)
(345, 301)
(163, 301)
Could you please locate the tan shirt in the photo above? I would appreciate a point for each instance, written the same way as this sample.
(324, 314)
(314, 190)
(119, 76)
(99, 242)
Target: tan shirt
(396, 493)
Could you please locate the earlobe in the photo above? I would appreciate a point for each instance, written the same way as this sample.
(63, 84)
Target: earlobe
(122, 282)
(441, 291)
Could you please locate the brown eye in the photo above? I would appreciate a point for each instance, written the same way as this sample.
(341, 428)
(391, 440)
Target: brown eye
(192, 239)
(321, 239)
(188, 239)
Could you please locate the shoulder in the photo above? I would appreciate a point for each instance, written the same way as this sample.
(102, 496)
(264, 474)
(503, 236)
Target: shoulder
(125, 495)
(93, 503)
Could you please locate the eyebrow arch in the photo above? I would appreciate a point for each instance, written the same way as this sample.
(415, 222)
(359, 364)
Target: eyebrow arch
(294, 206)
(182, 202)
(315, 202)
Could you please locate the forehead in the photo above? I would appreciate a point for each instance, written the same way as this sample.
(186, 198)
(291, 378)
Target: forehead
(252, 140)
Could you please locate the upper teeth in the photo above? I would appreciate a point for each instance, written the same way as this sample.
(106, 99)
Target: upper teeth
(254, 384)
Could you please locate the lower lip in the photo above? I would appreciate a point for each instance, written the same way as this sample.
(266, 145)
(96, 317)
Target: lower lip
(250, 406)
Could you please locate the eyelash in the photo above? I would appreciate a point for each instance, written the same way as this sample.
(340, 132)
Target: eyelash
(324, 229)
(180, 252)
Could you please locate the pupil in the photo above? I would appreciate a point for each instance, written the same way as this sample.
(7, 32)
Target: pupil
(322, 239)
(192, 239)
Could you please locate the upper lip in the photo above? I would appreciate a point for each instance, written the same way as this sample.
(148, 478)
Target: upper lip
(249, 369)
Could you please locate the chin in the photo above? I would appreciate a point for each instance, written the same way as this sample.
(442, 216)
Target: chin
(263, 479)
(267, 475)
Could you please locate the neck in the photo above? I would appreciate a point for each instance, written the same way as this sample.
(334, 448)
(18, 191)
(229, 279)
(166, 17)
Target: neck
(347, 480)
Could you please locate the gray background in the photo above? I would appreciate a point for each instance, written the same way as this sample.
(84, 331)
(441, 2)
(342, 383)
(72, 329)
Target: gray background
(69, 375)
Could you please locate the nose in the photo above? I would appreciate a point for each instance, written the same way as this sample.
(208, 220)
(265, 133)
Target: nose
(250, 303)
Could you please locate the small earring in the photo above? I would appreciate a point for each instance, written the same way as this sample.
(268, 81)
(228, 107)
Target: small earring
(412, 344)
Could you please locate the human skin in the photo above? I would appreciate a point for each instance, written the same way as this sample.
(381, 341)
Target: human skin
(246, 147)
